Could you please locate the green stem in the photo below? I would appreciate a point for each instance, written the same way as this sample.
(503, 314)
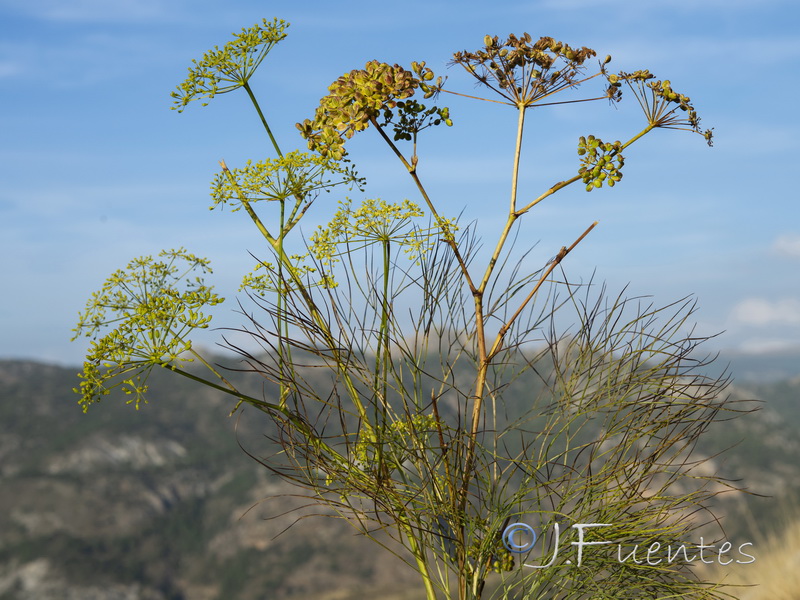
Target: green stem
(485, 358)
(228, 388)
(284, 353)
(315, 312)
(382, 355)
(412, 169)
(558, 186)
(512, 213)
(330, 340)
(385, 317)
(281, 324)
(643, 132)
(212, 369)
(517, 153)
(296, 422)
(496, 347)
(246, 204)
(419, 557)
(246, 87)
(381, 375)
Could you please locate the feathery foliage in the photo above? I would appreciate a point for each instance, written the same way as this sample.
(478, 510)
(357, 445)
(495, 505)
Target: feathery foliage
(453, 406)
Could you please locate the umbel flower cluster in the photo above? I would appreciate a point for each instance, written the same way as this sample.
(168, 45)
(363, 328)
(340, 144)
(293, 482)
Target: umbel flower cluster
(660, 102)
(522, 71)
(602, 162)
(153, 304)
(357, 98)
(374, 222)
(221, 71)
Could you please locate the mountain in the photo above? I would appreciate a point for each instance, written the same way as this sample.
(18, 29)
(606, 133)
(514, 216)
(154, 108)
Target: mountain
(155, 504)
(762, 367)
(163, 504)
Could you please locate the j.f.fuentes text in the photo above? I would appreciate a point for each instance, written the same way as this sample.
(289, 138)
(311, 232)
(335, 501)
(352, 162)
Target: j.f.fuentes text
(520, 538)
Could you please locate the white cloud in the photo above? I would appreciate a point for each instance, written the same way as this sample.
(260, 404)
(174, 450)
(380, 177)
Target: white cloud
(768, 346)
(787, 245)
(761, 311)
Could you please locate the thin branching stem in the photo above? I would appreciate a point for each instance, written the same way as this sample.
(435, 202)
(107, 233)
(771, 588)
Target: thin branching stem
(246, 86)
(413, 172)
(517, 153)
(498, 343)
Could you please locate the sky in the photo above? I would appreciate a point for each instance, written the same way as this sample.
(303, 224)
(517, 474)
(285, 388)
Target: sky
(95, 169)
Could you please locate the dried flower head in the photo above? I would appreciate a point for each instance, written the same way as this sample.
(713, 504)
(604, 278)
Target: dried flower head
(522, 71)
(662, 106)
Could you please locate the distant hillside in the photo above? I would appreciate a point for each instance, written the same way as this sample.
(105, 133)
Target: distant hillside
(762, 367)
(155, 504)
(163, 504)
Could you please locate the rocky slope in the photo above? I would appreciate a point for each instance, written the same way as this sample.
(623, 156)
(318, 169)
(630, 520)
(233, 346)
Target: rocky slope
(155, 504)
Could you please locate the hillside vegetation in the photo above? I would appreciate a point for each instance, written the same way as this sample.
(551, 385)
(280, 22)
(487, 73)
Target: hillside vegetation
(163, 504)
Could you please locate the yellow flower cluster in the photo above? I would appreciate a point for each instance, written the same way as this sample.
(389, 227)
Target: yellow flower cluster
(357, 98)
(374, 222)
(221, 71)
(150, 307)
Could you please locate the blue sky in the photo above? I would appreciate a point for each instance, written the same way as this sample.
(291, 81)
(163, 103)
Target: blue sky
(96, 169)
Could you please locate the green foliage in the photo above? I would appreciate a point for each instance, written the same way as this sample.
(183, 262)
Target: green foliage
(413, 118)
(416, 432)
